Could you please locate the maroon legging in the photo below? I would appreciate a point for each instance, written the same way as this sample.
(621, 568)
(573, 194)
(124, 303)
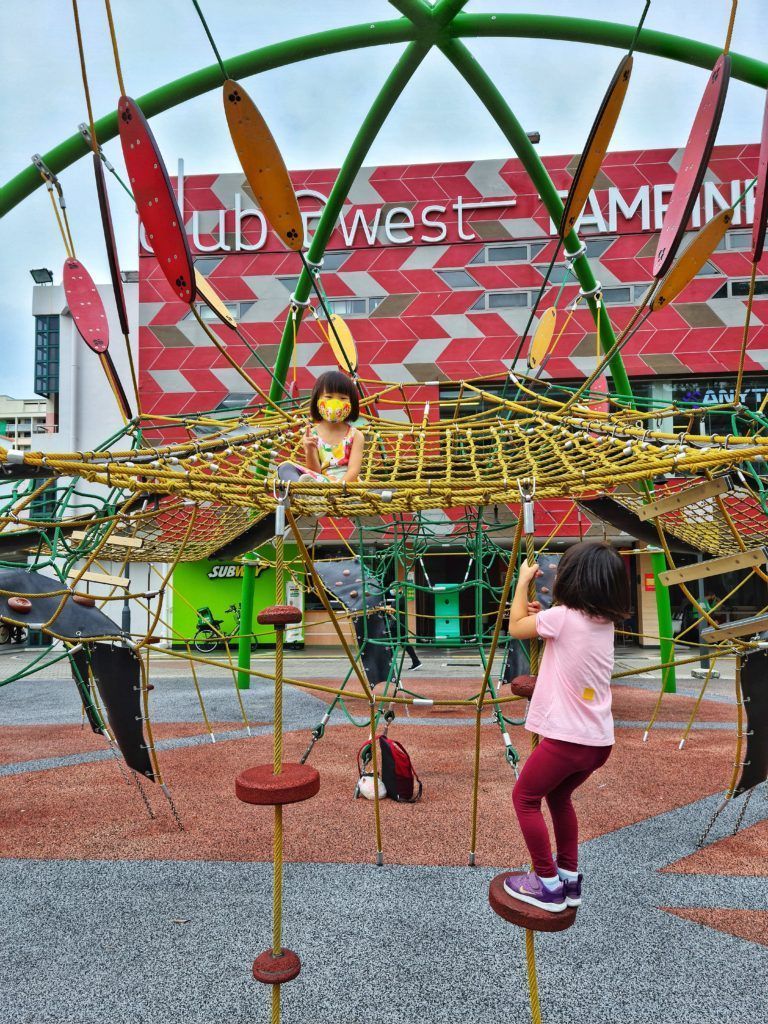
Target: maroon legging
(553, 770)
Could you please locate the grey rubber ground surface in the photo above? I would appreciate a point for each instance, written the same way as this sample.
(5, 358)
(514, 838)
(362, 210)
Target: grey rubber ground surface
(120, 942)
(97, 942)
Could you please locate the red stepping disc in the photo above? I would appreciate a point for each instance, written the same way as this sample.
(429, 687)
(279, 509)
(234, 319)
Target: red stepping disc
(276, 970)
(523, 914)
(259, 785)
(22, 605)
(523, 686)
(693, 165)
(86, 306)
(84, 600)
(761, 193)
(279, 615)
(155, 199)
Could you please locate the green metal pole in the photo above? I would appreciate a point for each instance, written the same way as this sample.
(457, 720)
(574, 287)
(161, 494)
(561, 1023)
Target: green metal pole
(497, 106)
(401, 30)
(397, 80)
(664, 613)
(246, 622)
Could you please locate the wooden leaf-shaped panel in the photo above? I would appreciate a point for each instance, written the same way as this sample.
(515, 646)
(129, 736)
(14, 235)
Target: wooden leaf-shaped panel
(542, 339)
(263, 165)
(761, 193)
(690, 262)
(213, 301)
(342, 343)
(597, 146)
(116, 384)
(109, 242)
(85, 305)
(693, 165)
(155, 199)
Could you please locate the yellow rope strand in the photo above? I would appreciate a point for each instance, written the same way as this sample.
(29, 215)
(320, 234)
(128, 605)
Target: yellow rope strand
(68, 248)
(731, 21)
(511, 566)
(533, 984)
(116, 54)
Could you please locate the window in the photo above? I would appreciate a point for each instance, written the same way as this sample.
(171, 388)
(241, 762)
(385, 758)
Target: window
(504, 300)
(206, 313)
(557, 275)
(333, 260)
(234, 400)
(740, 289)
(458, 279)
(47, 355)
(735, 241)
(710, 270)
(507, 300)
(617, 296)
(518, 252)
(597, 246)
(43, 506)
(354, 306)
(207, 264)
(289, 283)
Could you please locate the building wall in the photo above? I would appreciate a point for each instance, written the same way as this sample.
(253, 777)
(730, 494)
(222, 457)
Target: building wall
(87, 416)
(22, 421)
(404, 230)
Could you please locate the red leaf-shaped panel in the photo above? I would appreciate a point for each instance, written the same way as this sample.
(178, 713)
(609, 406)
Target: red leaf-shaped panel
(693, 165)
(155, 199)
(85, 305)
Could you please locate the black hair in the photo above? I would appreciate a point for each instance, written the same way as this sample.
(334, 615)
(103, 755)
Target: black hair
(591, 578)
(334, 382)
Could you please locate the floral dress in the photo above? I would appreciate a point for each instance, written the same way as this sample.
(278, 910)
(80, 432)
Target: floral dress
(334, 458)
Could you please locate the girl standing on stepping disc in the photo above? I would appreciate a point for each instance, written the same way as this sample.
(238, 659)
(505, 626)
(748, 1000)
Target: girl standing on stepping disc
(570, 710)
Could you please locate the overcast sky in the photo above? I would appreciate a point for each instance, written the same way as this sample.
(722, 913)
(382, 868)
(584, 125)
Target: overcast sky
(315, 108)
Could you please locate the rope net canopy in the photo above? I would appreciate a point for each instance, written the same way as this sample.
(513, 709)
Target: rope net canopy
(227, 469)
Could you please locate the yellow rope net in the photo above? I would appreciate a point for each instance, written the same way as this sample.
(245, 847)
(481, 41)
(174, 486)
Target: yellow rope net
(477, 459)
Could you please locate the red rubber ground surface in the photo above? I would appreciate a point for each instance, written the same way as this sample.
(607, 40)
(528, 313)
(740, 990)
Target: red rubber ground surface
(88, 811)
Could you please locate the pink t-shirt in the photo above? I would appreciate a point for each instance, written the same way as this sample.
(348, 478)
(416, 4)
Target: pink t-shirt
(572, 699)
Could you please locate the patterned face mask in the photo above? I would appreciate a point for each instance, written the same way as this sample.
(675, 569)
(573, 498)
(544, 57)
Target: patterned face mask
(334, 410)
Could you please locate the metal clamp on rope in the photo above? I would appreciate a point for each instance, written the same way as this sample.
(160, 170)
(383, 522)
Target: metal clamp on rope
(86, 133)
(571, 257)
(527, 490)
(282, 502)
(48, 175)
(15, 456)
(314, 265)
(295, 302)
(592, 293)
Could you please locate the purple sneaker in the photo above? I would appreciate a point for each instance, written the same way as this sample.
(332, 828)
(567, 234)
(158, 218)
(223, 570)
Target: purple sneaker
(530, 889)
(573, 891)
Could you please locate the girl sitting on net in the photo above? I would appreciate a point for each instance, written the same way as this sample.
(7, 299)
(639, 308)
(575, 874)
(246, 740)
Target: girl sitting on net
(570, 710)
(333, 448)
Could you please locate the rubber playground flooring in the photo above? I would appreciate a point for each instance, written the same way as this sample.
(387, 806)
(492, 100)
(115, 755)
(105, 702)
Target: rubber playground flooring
(111, 916)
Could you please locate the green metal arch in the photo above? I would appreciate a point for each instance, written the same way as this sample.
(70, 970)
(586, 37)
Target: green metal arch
(401, 30)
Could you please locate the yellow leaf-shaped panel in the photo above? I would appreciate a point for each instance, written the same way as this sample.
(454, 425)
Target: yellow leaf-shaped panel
(263, 165)
(542, 339)
(212, 300)
(690, 262)
(597, 146)
(342, 343)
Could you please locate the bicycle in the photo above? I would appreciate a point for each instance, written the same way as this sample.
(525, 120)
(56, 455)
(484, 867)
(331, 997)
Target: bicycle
(12, 634)
(209, 633)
